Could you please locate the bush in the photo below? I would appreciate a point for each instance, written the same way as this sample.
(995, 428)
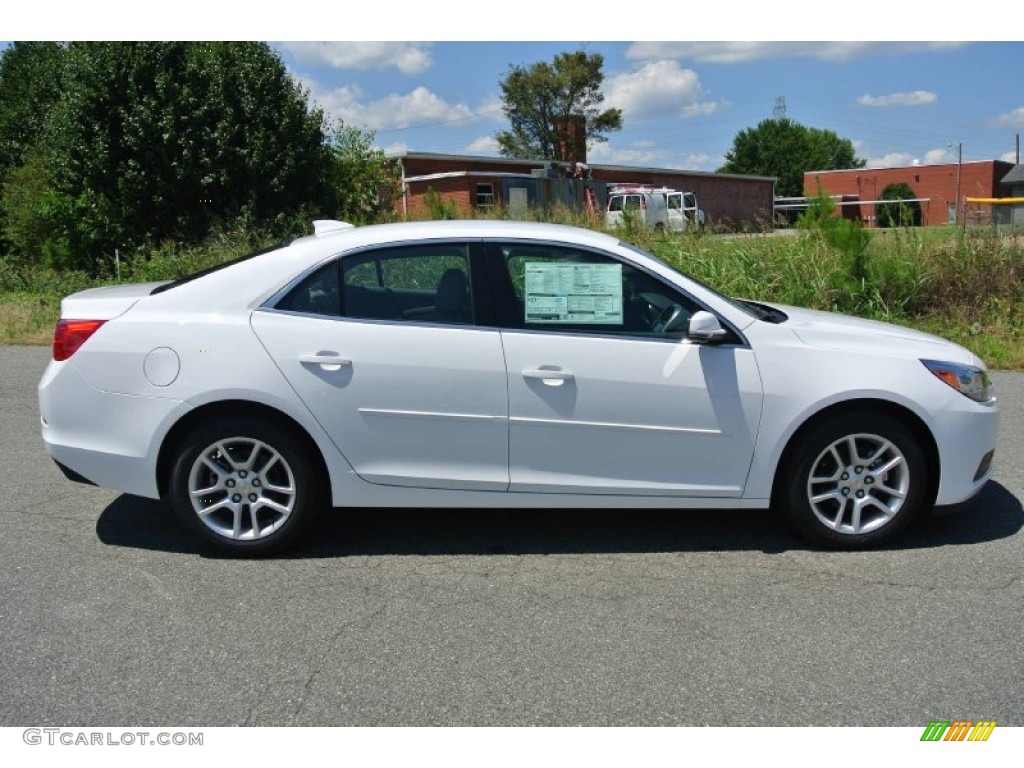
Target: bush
(440, 208)
(899, 213)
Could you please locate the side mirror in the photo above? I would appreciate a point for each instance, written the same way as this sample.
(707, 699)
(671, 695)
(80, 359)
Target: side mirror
(704, 327)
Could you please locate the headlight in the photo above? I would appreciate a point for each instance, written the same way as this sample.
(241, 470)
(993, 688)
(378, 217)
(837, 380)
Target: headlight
(966, 379)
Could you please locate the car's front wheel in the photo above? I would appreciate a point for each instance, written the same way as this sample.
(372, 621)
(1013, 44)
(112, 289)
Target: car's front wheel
(855, 480)
(245, 486)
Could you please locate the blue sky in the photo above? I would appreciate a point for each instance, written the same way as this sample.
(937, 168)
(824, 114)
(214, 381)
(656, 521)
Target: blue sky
(900, 103)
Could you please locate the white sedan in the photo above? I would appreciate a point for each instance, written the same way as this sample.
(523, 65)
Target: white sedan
(498, 364)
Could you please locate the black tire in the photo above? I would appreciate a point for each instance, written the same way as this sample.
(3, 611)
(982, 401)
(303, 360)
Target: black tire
(847, 500)
(256, 510)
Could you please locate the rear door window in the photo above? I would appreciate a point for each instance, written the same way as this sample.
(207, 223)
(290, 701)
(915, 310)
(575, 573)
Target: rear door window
(423, 283)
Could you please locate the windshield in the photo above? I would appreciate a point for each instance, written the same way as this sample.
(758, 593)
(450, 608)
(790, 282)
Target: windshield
(747, 309)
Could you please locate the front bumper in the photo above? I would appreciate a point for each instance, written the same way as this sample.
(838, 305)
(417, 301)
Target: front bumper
(966, 434)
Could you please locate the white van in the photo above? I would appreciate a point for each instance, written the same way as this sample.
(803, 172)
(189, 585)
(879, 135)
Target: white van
(683, 212)
(657, 208)
(649, 207)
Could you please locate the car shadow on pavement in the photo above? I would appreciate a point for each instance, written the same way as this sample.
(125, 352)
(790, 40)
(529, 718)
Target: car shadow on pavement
(131, 521)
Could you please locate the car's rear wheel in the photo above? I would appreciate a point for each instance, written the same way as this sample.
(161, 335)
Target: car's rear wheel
(247, 487)
(855, 480)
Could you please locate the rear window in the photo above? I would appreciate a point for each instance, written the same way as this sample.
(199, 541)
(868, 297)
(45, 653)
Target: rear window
(214, 268)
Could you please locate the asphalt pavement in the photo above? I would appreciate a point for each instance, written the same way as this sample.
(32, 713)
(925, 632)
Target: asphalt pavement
(110, 615)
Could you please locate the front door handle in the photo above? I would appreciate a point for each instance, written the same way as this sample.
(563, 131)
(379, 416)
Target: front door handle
(551, 378)
(327, 362)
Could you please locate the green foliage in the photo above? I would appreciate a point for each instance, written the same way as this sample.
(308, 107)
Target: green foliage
(365, 181)
(847, 238)
(152, 140)
(29, 86)
(543, 102)
(787, 150)
(898, 214)
(27, 208)
(438, 207)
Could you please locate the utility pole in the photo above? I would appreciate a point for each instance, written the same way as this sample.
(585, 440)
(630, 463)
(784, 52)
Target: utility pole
(959, 173)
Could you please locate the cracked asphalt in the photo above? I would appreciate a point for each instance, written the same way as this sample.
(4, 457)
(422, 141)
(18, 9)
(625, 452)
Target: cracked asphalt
(112, 616)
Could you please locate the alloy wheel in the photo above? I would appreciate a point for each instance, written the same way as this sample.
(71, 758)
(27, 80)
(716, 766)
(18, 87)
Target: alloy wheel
(858, 484)
(242, 488)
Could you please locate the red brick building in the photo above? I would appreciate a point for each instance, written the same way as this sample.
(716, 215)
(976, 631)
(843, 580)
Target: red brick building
(472, 183)
(935, 187)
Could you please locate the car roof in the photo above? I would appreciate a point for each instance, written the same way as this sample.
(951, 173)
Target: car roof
(340, 240)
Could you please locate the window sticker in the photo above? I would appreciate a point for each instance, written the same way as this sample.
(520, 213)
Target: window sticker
(573, 293)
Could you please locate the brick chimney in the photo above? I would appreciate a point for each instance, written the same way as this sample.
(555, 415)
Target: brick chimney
(571, 139)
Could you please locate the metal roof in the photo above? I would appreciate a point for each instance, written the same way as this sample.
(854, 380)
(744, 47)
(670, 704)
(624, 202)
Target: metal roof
(541, 163)
(1015, 176)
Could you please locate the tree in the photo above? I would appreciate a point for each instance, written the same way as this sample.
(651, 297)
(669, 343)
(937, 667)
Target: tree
(159, 140)
(787, 150)
(29, 86)
(365, 181)
(898, 214)
(555, 108)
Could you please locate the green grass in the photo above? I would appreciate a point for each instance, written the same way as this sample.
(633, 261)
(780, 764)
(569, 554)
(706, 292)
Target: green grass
(965, 287)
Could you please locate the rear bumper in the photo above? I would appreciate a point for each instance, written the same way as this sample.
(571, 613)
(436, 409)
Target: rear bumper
(103, 438)
(71, 475)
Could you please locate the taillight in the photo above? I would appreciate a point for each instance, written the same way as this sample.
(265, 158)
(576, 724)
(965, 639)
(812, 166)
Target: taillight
(69, 335)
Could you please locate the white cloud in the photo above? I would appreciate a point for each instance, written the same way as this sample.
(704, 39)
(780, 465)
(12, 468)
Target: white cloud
(491, 107)
(704, 108)
(701, 162)
(893, 160)
(409, 58)
(397, 148)
(647, 154)
(483, 145)
(657, 89)
(606, 153)
(939, 155)
(1009, 157)
(935, 156)
(907, 99)
(733, 52)
(1013, 119)
(419, 106)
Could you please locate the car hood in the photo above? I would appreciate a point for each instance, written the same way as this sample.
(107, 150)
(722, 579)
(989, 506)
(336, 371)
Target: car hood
(835, 331)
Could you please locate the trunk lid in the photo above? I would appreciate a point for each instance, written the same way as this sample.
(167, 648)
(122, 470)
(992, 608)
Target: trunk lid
(104, 303)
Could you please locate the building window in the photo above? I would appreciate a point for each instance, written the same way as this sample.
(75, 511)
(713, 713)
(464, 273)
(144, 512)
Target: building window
(484, 195)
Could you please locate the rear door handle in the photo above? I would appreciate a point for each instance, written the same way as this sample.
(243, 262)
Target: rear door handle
(327, 362)
(551, 378)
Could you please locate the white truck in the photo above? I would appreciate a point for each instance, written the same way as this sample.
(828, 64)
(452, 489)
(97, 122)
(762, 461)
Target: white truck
(657, 207)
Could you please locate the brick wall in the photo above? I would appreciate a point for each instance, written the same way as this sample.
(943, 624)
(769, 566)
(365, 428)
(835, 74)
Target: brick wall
(727, 201)
(937, 182)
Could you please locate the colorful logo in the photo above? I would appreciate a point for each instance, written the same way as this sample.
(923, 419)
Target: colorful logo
(958, 730)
